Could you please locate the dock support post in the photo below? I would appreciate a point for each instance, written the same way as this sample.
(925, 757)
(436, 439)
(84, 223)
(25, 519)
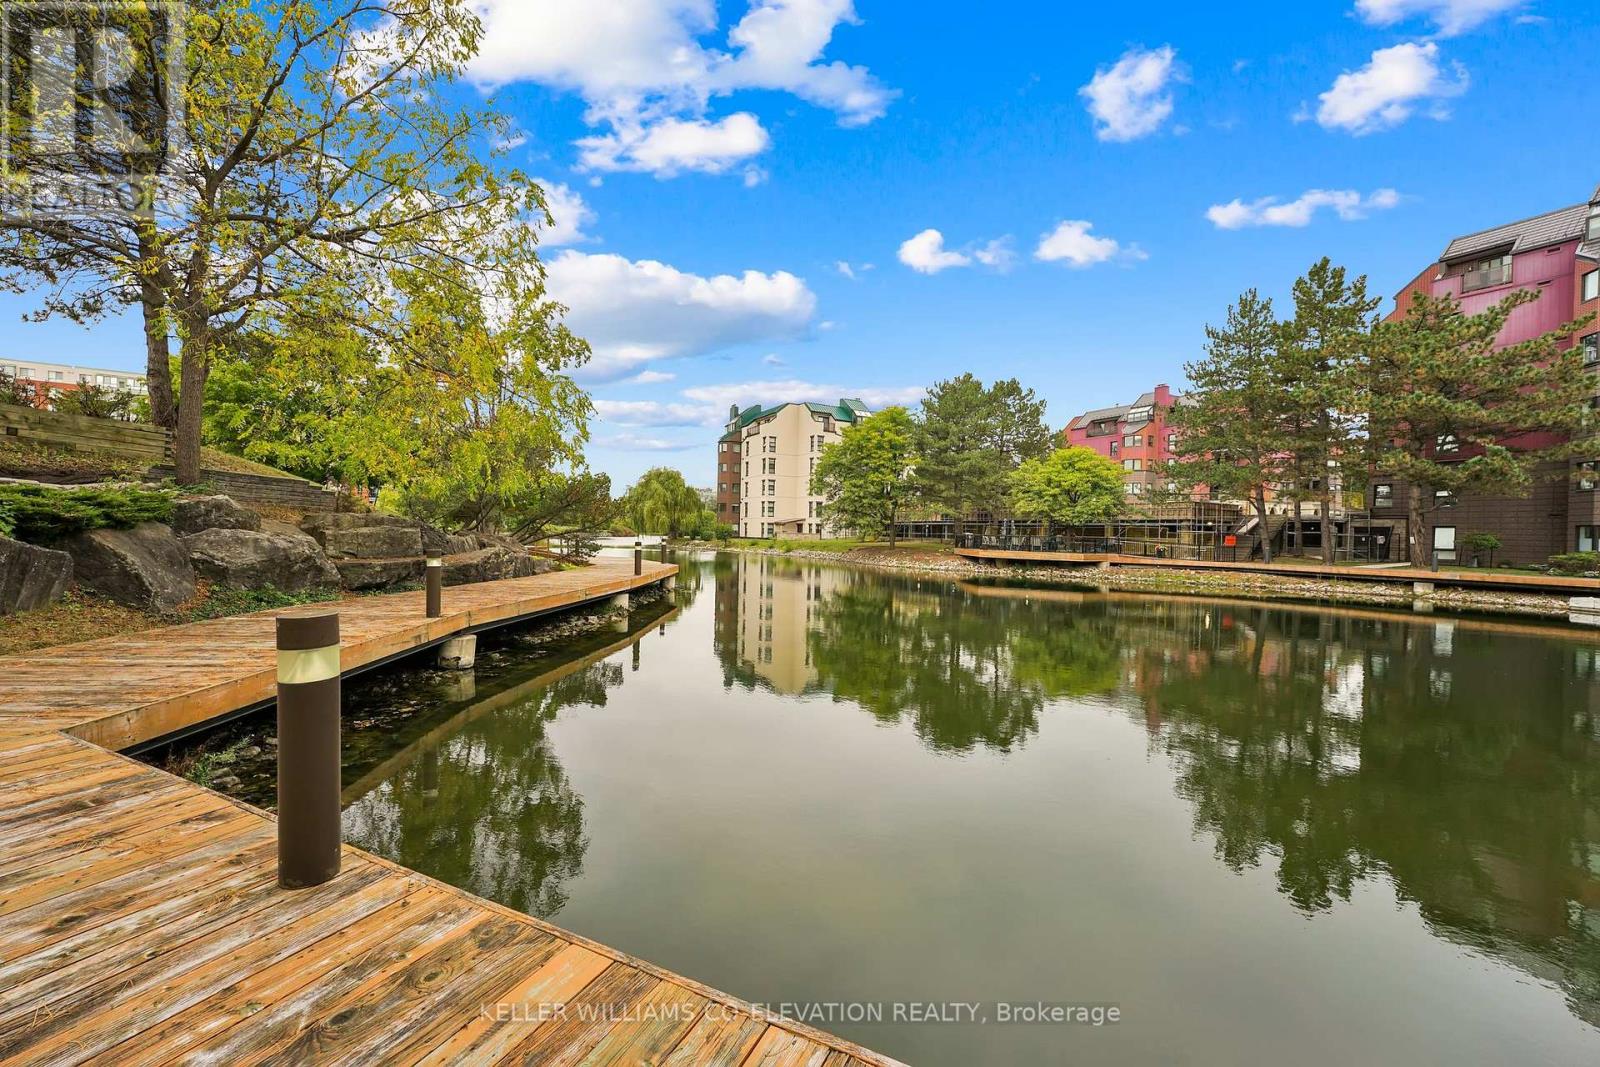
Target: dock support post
(1583, 610)
(459, 653)
(1422, 588)
(308, 749)
(435, 580)
(638, 558)
(669, 583)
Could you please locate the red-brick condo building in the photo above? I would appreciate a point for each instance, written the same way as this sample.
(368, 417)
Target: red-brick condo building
(1134, 435)
(1557, 253)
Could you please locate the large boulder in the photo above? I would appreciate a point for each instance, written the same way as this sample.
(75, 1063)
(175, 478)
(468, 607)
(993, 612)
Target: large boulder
(484, 565)
(378, 573)
(145, 567)
(250, 560)
(351, 535)
(435, 542)
(211, 513)
(30, 576)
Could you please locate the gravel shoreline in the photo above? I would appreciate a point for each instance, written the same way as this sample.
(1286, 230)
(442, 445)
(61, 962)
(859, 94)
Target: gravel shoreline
(1166, 580)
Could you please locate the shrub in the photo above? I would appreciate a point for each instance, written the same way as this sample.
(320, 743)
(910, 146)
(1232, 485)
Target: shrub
(1575, 562)
(98, 402)
(35, 513)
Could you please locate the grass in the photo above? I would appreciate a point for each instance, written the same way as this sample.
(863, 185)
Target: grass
(21, 458)
(74, 618)
(213, 460)
(200, 765)
(77, 617)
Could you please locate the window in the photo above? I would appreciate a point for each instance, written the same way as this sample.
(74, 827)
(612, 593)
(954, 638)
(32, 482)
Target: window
(1132, 465)
(55, 376)
(1591, 285)
(1483, 273)
(1444, 498)
(1590, 344)
(1383, 495)
(1135, 488)
(1113, 447)
(1444, 542)
(1172, 442)
(1589, 539)
(1592, 230)
(1447, 443)
(1130, 440)
(1586, 475)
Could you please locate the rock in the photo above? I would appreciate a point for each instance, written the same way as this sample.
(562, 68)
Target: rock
(211, 513)
(30, 576)
(250, 560)
(286, 529)
(484, 565)
(145, 567)
(377, 573)
(373, 542)
(435, 542)
(318, 523)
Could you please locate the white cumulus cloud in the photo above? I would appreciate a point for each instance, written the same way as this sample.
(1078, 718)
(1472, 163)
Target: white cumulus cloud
(671, 146)
(569, 212)
(635, 311)
(926, 253)
(1348, 204)
(640, 64)
(1389, 90)
(1449, 16)
(1130, 98)
(1072, 243)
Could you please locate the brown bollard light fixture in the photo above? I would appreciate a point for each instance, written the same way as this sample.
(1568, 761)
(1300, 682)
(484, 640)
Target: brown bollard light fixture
(638, 557)
(308, 749)
(435, 569)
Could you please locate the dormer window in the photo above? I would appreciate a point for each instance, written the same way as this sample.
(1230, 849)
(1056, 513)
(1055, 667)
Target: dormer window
(1591, 231)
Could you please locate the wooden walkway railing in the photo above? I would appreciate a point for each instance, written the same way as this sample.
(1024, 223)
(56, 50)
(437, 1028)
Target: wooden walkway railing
(141, 921)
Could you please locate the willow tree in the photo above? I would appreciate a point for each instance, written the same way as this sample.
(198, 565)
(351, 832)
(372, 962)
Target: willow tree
(320, 155)
(661, 502)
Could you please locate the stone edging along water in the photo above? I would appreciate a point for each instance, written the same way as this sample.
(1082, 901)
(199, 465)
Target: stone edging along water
(1167, 580)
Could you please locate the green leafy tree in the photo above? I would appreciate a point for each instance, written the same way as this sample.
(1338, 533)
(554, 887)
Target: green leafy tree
(323, 155)
(1452, 411)
(1076, 486)
(661, 502)
(1322, 344)
(1231, 436)
(867, 477)
(970, 438)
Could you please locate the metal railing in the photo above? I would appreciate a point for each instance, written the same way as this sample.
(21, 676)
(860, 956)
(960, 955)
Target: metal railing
(1485, 277)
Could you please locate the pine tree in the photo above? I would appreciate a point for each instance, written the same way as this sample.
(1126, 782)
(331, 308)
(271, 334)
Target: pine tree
(1231, 430)
(1437, 378)
(1322, 342)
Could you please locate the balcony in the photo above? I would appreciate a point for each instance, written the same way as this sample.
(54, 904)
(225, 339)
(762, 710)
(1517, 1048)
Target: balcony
(1486, 277)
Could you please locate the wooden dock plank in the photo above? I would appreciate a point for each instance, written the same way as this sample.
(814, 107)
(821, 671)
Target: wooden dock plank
(141, 921)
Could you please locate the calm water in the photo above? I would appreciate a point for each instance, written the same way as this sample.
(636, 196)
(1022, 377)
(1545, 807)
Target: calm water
(1264, 833)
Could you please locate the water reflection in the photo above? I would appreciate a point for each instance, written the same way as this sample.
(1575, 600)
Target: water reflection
(478, 797)
(1454, 761)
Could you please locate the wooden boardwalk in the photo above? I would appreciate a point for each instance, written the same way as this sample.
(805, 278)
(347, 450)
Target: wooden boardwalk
(1549, 585)
(141, 922)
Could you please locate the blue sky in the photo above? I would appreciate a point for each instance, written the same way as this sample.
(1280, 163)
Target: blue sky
(744, 191)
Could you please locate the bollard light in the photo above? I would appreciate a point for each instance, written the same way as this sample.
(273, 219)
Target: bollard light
(638, 557)
(435, 586)
(308, 749)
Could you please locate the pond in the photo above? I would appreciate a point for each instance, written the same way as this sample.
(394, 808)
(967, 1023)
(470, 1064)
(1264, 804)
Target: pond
(1260, 832)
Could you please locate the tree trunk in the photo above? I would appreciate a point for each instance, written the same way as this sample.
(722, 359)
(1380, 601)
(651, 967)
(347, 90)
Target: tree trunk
(1261, 520)
(1325, 500)
(892, 512)
(158, 363)
(194, 367)
(1299, 521)
(1415, 551)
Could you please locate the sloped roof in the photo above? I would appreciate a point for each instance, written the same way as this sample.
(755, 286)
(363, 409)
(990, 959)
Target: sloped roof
(1590, 250)
(1553, 227)
(1097, 415)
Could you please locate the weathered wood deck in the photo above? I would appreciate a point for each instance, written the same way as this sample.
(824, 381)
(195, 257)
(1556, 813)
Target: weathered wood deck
(141, 922)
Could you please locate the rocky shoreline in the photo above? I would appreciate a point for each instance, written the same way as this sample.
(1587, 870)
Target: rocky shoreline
(1167, 580)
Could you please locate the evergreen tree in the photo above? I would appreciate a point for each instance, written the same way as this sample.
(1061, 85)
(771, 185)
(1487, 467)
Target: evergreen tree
(970, 438)
(1232, 435)
(1322, 343)
(1450, 411)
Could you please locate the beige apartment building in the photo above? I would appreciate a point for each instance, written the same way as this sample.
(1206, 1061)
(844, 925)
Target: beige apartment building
(771, 453)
